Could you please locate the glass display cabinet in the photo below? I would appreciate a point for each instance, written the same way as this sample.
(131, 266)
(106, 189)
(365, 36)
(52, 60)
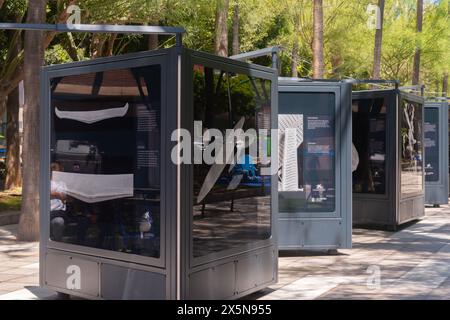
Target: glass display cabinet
(130, 207)
(436, 151)
(314, 165)
(388, 135)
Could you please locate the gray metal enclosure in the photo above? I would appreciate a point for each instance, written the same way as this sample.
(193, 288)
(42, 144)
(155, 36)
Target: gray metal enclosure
(314, 175)
(388, 184)
(436, 152)
(119, 218)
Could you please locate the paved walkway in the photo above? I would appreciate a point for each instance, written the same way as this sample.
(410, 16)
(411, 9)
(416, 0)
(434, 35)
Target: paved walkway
(410, 264)
(19, 262)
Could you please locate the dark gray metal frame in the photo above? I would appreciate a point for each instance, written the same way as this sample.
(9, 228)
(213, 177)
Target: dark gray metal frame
(436, 192)
(96, 28)
(330, 230)
(176, 274)
(238, 271)
(390, 210)
(272, 51)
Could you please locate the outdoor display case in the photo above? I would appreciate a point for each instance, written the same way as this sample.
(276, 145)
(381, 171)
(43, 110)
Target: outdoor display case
(129, 210)
(314, 165)
(436, 151)
(388, 134)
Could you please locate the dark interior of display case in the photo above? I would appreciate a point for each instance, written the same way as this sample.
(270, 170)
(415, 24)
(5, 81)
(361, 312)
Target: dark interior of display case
(388, 133)
(232, 204)
(105, 161)
(369, 139)
(119, 205)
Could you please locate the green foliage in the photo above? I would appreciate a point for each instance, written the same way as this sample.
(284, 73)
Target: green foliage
(348, 41)
(10, 202)
(56, 55)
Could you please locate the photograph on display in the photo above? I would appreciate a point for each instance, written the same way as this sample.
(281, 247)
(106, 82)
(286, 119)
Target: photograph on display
(431, 144)
(306, 173)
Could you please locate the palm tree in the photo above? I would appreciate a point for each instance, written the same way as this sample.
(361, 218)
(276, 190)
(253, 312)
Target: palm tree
(13, 168)
(445, 85)
(28, 229)
(236, 43)
(295, 47)
(318, 40)
(416, 65)
(376, 74)
(221, 39)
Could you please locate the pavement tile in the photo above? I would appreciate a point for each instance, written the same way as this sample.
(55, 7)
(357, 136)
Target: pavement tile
(31, 280)
(6, 277)
(23, 271)
(414, 263)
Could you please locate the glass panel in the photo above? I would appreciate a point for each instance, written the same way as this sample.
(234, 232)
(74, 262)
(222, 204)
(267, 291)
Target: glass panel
(431, 144)
(411, 151)
(105, 151)
(369, 140)
(307, 142)
(231, 202)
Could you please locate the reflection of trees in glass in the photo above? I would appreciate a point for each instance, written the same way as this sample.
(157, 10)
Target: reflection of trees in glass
(404, 135)
(235, 210)
(408, 139)
(214, 90)
(411, 147)
(222, 98)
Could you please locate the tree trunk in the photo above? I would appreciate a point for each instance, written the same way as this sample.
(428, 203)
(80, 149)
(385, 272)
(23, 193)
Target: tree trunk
(153, 42)
(3, 98)
(445, 85)
(416, 65)
(13, 163)
(221, 39)
(153, 39)
(28, 229)
(97, 45)
(1, 3)
(376, 72)
(19, 75)
(110, 45)
(236, 43)
(295, 47)
(318, 40)
(69, 46)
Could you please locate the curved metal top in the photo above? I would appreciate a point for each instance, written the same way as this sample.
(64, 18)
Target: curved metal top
(374, 81)
(97, 28)
(273, 51)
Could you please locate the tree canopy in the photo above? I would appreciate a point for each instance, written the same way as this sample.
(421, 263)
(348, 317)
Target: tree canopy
(348, 39)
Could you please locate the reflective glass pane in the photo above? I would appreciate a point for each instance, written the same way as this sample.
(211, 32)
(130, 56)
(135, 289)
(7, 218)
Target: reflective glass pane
(411, 149)
(307, 152)
(431, 143)
(105, 160)
(369, 141)
(231, 201)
